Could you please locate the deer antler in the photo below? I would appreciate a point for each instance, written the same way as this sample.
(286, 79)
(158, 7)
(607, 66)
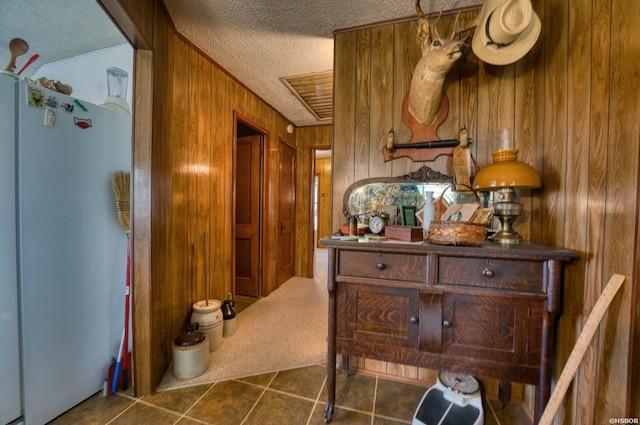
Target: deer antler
(435, 26)
(427, 83)
(424, 28)
(419, 9)
(471, 26)
(455, 26)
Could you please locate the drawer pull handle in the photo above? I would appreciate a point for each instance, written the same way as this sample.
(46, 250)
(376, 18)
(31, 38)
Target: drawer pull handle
(488, 273)
(446, 324)
(380, 266)
(413, 319)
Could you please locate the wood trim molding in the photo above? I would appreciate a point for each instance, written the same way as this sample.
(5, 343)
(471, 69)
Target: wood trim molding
(312, 174)
(141, 228)
(310, 230)
(142, 121)
(632, 406)
(125, 24)
(408, 19)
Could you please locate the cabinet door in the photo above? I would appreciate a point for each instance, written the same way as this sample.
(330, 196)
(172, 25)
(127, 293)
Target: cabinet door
(379, 315)
(503, 329)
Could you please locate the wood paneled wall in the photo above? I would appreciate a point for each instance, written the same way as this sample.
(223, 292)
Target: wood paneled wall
(183, 165)
(307, 138)
(193, 168)
(572, 106)
(192, 164)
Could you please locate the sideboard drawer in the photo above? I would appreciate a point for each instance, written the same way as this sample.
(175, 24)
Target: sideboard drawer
(482, 272)
(412, 268)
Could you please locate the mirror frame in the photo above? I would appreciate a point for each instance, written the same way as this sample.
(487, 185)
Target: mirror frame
(422, 175)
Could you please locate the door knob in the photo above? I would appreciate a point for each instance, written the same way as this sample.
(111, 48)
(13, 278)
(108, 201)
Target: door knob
(446, 324)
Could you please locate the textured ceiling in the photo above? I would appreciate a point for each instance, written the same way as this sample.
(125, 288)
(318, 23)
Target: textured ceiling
(257, 42)
(55, 30)
(260, 41)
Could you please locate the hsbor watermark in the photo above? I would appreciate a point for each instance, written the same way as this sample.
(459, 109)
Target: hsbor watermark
(623, 421)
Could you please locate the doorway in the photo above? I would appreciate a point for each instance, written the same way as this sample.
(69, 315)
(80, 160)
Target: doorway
(248, 210)
(321, 195)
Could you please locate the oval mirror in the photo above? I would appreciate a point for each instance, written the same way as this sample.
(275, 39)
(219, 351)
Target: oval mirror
(387, 193)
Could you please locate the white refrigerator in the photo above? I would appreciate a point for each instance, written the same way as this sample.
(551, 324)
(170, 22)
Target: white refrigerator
(62, 249)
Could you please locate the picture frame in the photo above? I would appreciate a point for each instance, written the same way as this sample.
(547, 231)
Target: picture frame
(408, 215)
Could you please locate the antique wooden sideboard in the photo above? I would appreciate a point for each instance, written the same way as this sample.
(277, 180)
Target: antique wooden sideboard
(488, 311)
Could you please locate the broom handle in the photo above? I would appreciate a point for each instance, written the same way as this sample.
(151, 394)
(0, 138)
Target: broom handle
(589, 329)
(125, 360)
(206, 269)
(116, 372)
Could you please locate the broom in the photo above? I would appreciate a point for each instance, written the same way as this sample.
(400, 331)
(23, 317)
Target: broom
(121, 182)
(121, 185)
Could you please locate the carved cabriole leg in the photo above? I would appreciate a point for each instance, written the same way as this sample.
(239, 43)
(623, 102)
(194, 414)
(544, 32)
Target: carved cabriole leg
(553, 277)
(331, 339)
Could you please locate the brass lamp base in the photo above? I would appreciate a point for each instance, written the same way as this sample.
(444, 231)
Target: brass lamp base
(506, 211)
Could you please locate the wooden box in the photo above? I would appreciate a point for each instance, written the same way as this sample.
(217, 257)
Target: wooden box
(345, 230)
(404, 233)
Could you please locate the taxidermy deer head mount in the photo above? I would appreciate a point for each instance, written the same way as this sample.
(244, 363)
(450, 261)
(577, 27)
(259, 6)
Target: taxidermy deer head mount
(438, 56)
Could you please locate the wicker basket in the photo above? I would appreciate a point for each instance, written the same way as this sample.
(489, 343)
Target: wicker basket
(457, 232)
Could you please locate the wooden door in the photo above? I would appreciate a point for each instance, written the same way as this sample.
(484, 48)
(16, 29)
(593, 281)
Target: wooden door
(378, 315)
(287, 213)
(504, 329)
(247, 222)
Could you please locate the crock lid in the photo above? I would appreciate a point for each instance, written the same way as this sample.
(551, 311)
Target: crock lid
(191, 336)
(206, 306)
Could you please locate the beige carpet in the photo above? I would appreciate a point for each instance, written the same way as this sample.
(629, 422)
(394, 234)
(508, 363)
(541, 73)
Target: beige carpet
(284, 330)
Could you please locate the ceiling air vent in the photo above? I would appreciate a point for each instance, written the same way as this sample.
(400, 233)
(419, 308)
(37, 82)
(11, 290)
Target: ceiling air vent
(315, 91)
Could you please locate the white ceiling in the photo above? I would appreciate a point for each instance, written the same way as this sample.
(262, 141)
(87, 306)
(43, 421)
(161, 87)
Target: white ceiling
(255, 41)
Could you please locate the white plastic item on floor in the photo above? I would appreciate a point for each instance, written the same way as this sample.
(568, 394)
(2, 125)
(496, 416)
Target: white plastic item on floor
(454, 399)
(207, 314)
(190, 354)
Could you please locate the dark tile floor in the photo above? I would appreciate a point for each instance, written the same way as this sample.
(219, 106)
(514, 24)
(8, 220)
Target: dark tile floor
(287, 397)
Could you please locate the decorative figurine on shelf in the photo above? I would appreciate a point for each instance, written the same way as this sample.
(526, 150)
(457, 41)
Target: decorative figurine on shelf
(462, 161)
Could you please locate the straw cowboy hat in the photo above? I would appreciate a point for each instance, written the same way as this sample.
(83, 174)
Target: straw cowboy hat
(507, 30)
